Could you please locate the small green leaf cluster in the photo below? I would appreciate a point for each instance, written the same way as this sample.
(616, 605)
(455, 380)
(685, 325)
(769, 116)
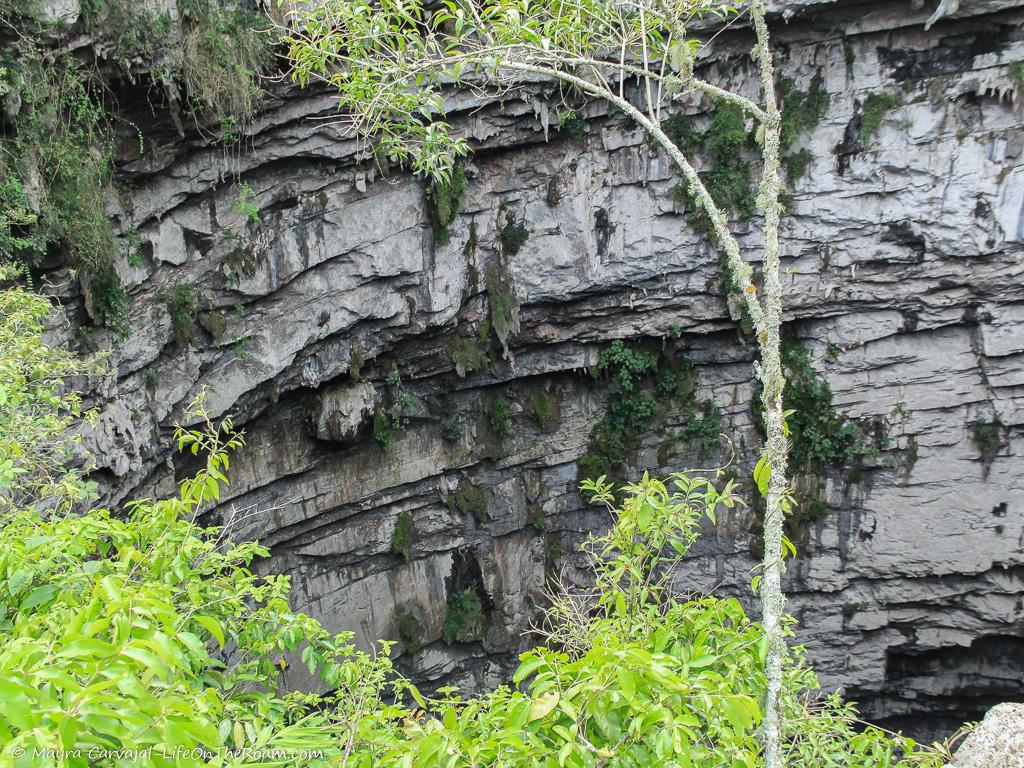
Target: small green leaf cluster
(801, 110)
(512, 235)
(468, 354)
(631, 407)
(546, 410)
(497, 415)
(410, 631)
(987, 437)
(573, 123)
(645, 383)
(501, 298)
(705, 430)
(1015, 71)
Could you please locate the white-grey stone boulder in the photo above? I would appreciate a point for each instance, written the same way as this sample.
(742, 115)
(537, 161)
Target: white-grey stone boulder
(997, 743)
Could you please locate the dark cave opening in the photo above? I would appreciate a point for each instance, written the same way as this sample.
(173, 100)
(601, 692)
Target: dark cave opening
(928, 695)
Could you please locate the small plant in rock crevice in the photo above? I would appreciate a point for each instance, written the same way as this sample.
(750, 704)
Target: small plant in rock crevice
(513, 234)
(728, 177)
(572, 123)
(402, 536)
(444, 203)
(497, 415)
(872, 114)
(819, 438)
(181, 303)
(546, 410)
(471, 499)
(501, 299)
(393, 415)
(467, 354)
(410, 631)
(987, 437)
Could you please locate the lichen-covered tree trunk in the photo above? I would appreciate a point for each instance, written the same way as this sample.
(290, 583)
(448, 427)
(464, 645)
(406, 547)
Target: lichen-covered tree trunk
(770, 371)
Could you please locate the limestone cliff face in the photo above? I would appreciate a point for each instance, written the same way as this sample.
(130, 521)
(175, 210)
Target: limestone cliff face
(903, 276)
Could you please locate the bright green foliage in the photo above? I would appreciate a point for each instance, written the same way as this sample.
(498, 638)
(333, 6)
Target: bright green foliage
(244, 205)
(444, 201)
(402, 536)
(463, 618)
(181, 303)
(876, 106)
(37, 412)
(145, 630)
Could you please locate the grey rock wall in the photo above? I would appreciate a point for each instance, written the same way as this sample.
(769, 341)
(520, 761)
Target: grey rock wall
(903, 276)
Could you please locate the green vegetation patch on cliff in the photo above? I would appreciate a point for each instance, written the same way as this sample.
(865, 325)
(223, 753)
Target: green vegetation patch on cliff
(872, 114)
(56, 169)
(444, 202)
(647, 381)
(463, 618)
(181, 304)
(470, 499)
(818, 434)
(819, 437)
(728, 178)
(402, 536)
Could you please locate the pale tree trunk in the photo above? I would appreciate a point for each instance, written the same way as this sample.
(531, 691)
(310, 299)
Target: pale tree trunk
(767, 322)
(773, 601)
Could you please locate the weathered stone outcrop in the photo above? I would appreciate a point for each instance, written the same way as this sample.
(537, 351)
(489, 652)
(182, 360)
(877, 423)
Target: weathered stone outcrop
(998, 741)
(338, 316)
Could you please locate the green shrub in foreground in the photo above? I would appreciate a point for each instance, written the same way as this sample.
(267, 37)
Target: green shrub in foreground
(143, 639)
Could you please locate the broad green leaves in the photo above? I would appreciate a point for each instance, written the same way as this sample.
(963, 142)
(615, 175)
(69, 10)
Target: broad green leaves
(143, 639)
